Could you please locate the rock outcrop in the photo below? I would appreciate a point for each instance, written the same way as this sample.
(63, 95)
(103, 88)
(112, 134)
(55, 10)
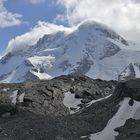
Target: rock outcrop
(130, 131)
(46, 97)
(37, 111)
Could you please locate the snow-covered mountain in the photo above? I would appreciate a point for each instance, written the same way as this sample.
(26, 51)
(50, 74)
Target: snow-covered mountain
(90, 49)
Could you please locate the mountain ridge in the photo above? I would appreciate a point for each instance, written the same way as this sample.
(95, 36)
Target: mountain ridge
(90, 49)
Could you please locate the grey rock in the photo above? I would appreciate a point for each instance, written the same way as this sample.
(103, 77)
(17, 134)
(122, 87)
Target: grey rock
(129, 88)
(6, 115)
(128, 73)
(130, 131)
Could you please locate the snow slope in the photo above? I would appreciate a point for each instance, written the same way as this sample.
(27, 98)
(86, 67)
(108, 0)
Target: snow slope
(124, 113)
(90, 49)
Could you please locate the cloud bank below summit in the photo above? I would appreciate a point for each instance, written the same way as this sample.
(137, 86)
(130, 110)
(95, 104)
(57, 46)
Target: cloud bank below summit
(30, 38)
(121, 15)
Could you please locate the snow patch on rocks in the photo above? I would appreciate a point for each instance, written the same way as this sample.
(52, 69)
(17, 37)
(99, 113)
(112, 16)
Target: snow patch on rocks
(14, 96)
(21, 98)
(17, 98)
(6, 89)
(71, 102)
(94, 101)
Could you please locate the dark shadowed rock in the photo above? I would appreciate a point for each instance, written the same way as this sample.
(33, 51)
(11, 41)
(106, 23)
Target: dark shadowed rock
(129, 88)
(130, 131)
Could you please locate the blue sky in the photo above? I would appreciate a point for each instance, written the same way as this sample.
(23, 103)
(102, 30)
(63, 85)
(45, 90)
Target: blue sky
(31, 14)
(20, 16)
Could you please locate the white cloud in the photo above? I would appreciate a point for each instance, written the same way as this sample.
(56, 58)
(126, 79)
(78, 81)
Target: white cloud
(36, 1)
(30, 38)
(7, 18)
(121, 15)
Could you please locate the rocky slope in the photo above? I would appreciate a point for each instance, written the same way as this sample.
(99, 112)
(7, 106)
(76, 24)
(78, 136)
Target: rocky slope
(70, 108)
(47, 97)
(90, 49)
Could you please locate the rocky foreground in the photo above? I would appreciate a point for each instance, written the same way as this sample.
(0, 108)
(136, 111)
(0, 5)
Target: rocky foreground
(70, 108)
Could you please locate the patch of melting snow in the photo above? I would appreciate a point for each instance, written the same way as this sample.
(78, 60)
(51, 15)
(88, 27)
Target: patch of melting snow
(124, 113)
(94, 101)
(6, 89)
(71, 102)
(72, 79)
(17, 98)
(83, 137)
(14, 96)
(21, 98)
